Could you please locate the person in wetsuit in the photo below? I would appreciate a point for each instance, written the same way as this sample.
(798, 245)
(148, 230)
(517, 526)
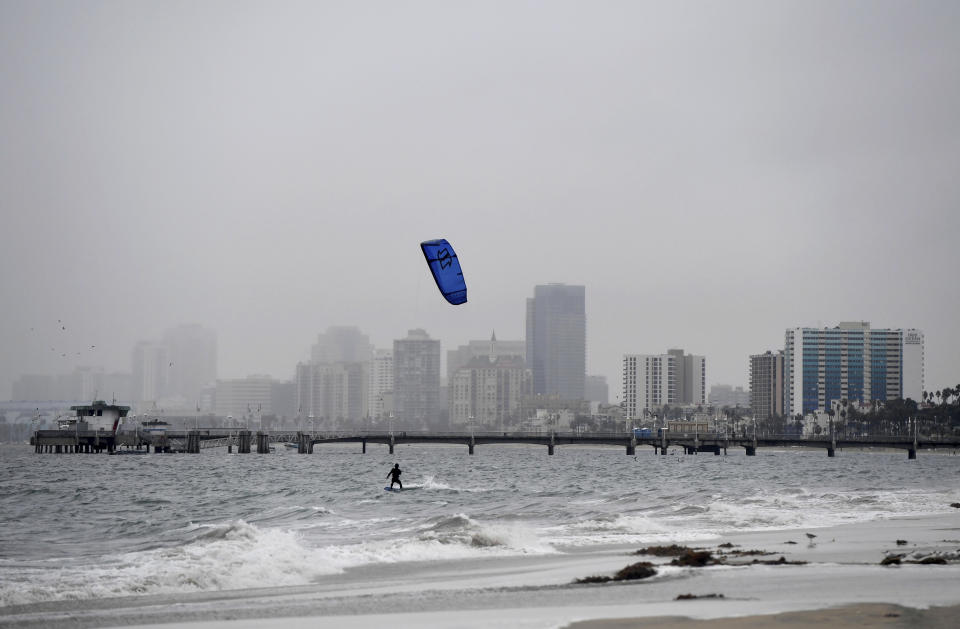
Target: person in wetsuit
(395, 473)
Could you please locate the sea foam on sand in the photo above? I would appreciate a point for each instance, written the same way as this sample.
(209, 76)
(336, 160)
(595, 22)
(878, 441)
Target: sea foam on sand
(537, 591)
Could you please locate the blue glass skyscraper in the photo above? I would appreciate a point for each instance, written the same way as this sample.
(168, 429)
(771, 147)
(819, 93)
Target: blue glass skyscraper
(850, 362)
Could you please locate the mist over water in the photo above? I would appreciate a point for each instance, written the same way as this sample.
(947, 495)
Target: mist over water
(86, 526)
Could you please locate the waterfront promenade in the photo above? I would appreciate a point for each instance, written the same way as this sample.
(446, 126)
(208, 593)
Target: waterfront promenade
(246, 441)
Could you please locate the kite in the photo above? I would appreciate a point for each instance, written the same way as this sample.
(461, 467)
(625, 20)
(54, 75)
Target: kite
(446, 270)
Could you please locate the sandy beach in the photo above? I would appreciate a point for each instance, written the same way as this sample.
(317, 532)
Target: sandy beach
(842, 581)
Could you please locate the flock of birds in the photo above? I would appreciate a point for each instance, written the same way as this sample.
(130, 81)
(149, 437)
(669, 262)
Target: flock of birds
(63, 328)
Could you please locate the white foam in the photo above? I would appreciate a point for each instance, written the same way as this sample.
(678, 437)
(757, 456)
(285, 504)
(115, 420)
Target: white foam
(620, 528)
(218, 557)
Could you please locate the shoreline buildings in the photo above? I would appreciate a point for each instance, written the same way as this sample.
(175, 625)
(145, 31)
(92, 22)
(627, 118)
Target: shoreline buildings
(850, 362)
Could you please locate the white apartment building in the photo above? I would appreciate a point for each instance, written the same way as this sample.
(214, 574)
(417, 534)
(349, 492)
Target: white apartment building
(652, 380)
(380, 395)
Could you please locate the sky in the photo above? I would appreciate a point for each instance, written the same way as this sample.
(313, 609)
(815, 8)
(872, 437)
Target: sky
(713, 172)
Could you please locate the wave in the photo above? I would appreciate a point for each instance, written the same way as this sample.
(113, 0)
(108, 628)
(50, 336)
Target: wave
(225, 556)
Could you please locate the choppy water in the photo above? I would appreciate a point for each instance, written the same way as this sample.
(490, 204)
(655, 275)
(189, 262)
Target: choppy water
(76, 526)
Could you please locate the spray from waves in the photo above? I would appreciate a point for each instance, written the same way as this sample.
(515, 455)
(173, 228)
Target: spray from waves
(621, 528)
(801, 508)
(430, 482)
(443, 538)
(238, 554)
(213, 557)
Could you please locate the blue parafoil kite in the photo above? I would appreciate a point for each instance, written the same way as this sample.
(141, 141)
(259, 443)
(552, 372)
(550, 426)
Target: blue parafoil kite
(446, 270)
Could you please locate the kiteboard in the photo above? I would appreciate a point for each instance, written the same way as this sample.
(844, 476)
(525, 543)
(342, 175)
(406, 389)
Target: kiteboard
(393, 489)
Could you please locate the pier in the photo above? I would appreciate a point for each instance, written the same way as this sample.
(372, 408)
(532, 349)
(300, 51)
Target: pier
(247, 441)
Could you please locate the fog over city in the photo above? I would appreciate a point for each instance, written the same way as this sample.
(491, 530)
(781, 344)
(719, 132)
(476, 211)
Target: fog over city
(712, 172)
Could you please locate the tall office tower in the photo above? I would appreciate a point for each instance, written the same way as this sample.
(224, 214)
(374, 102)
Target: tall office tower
(332, 394)
(380, 395)
(691, 377)
(492, 348)
(192, 361)
(342, 344)
(416, 379)
(151, 367)
(850, 362)
(597, 390)
(557, 340)
(488, 392)
(652, 380)
(766, 385)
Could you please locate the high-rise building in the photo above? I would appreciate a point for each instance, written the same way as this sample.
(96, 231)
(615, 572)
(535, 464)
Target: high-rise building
(192, 361)
(248, 398)
(850, 362)
(766, 385)
(151, 368)
(652, 380)
(416, 379)
(380, 395)
(342, 344)
(492, 348)
(332, 393)
(691, 377)
(488, 392)
(557, 340)
(334, 385)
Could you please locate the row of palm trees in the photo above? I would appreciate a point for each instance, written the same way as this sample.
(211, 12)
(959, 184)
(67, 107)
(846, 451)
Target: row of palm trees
(943, 396)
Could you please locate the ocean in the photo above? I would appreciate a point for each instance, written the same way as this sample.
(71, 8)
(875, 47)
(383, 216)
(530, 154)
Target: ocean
(81, 527)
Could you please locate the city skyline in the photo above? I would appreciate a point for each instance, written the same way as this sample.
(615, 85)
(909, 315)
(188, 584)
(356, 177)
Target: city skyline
(712, 175)
(341, 344)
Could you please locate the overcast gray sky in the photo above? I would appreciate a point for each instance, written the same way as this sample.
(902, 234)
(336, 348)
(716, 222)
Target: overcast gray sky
(713, 172)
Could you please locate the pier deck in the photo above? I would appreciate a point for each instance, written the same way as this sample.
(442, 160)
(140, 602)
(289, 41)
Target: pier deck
(193, 441)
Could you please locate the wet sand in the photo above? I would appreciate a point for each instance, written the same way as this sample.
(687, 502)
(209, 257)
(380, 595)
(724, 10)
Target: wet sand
(849, 616)
(842, 583)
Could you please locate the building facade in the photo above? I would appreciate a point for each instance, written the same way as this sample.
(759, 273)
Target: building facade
(192, 361)
(150, 369)
(728, 395)
(342, 344)
(245, 398)
(380, 393)
(652, 380)
(850, 362)
(331, 395)
(488, 393)
(766, 385)
(416, 379)
(557, 340)
(492, 348)
(691, 374)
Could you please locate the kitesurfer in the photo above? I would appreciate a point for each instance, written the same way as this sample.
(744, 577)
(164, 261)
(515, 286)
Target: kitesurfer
(395, 473)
